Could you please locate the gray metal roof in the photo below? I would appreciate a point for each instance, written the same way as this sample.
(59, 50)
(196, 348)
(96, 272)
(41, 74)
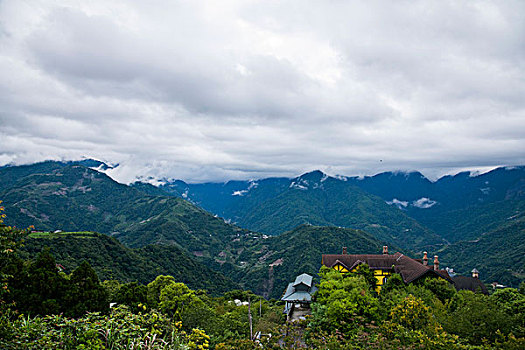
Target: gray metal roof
(305, 279)
(291, 294)
(299, 296)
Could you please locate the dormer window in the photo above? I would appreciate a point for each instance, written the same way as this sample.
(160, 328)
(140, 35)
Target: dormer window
(340, 268)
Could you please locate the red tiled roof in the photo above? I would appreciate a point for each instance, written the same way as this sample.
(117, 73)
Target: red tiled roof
(409, 269)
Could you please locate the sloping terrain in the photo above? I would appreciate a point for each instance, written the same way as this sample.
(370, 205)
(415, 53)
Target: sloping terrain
(112, 260)
(480, 215)
(270, 265)
(69, 197)
(499, 255)
(272, 206)
(459, 207)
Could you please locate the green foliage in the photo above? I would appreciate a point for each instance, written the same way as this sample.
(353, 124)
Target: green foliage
(476, 317)
(198, 340)
(119, 330)
(112, 287)
(10, 242)
(364, 271)
(412, 316)
(155, 287)
(39, 288)
(175, 297)
(84, 292)
(132, 294)
(343, 302)
(512, 303)
(394, 283)
(113, 260)
(411, 313)
(441, 288)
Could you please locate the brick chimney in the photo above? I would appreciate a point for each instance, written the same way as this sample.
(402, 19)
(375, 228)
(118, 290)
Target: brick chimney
(344, 250)
(385, 250)
(436, 263)
(425, 258)
(475, 273)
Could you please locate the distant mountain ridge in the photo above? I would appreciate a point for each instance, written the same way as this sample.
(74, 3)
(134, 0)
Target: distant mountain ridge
(461, 208)
(432, 204)
(275, 205)
(72, 197)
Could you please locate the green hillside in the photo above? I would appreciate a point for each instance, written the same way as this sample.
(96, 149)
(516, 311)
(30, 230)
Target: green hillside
(112, 260)
(298, 251)
(470, 222)
(71, 197)
(499, 255)
(335, 203)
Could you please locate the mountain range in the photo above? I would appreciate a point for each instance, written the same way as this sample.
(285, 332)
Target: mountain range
(262, 233)
(458, 207)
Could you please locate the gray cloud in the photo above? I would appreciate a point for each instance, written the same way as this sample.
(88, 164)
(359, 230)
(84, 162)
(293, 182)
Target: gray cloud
(203, 90)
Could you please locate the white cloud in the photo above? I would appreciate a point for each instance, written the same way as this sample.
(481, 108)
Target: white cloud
(203, 90)
(424, 203)
(398, 203)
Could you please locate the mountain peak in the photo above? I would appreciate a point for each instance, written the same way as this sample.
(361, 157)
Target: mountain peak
(316, 176)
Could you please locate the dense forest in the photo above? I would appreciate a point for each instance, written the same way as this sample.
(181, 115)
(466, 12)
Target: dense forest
(44, 307)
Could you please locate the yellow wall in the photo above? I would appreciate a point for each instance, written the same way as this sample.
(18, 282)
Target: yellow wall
(378, 274)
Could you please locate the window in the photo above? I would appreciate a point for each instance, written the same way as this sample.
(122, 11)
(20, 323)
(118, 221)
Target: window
(340, 268)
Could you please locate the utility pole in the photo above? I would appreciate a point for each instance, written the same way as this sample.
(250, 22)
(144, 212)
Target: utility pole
(250, 317)
(260, 307)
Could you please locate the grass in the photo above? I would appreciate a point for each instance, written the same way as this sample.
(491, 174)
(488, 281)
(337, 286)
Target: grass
(59, 234)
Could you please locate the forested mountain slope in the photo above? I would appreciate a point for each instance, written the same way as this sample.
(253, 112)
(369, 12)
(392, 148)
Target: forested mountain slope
(70, 197)
(112, 260)
(270, 264)
(499, 255)
(273, 206)
(459, 207)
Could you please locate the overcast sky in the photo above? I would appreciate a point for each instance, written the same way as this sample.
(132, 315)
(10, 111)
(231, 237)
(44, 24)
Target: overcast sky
(215, 90)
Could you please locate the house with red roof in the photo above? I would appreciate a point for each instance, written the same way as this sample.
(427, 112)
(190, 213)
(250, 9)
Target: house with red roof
(384, 265)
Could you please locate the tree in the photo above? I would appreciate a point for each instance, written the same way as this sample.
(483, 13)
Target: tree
(440, 287)
(343, 302)
(512, 303)
(476, 317)
(134, 295)
(10, 263)
(85, 293)
(155, 287)
(175, 297)
(112, 287)
(40, 289)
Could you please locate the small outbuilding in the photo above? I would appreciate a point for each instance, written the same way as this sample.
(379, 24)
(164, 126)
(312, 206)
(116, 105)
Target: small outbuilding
(298, 297)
